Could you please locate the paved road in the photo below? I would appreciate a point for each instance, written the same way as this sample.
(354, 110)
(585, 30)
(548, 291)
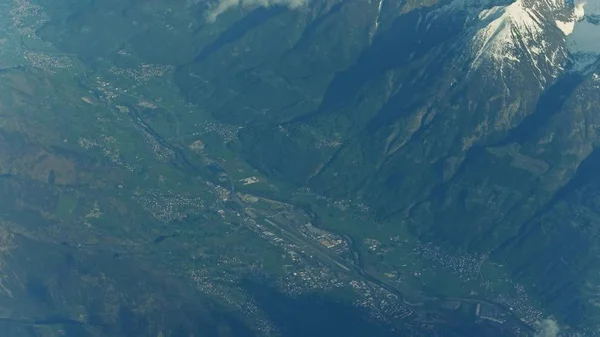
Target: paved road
(291, 232)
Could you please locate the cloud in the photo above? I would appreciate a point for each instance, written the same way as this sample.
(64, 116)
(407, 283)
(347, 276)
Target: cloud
(548, 328)
(223, 6)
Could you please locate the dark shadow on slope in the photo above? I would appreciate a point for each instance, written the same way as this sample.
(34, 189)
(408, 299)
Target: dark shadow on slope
(118, 298)
(185, 82)
(397, 105)
(311, 29)
(438, 192)
(551, 102)
(317, 315)
(391, 49)
(239, 29)
(586, 171)
(313, 315)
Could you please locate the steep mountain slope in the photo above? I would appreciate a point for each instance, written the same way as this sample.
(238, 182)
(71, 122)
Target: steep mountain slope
(474, 121)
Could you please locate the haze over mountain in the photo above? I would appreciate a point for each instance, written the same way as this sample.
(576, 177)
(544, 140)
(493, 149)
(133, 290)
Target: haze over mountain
(474, 121)
(300, 168)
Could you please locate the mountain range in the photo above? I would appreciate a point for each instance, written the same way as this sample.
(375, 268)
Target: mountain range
(473, 122)
(476, 122)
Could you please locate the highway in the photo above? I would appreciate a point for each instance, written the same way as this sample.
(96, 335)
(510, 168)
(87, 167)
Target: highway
(326, 255)
(301, 241)
(290, 231)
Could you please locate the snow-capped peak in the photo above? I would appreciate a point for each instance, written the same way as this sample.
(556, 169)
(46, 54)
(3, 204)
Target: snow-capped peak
(504, 27)
(518, 33)
(568, 26)
(529, 37)
(583, 40)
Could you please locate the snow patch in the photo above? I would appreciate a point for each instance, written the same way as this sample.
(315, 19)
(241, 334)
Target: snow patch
(566, 27)
(498, 38)
(507, 33)
(379, 8)
(579, 11)
(516, 33)
(583, 42)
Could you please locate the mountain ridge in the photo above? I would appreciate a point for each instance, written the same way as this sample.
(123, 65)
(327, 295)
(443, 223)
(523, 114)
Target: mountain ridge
(470, 121)
(472, 162)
